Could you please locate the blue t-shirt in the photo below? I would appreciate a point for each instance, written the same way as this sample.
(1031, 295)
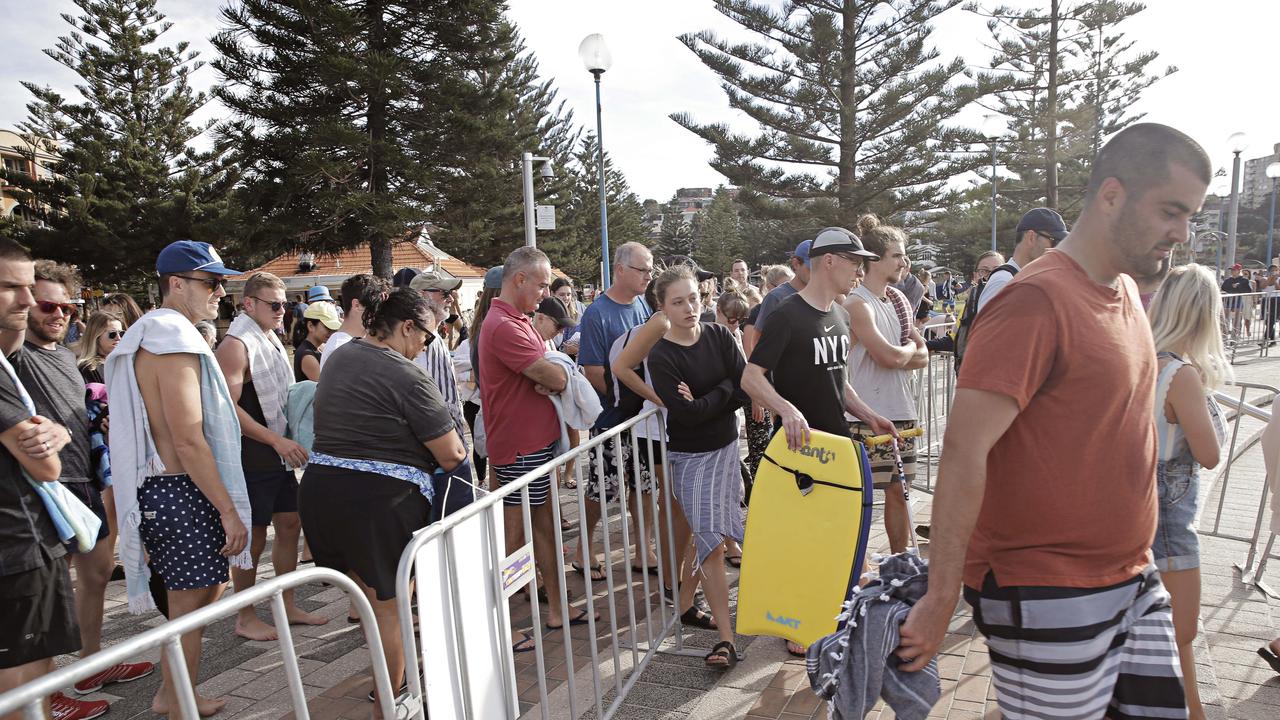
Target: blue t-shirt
(770, 303)
(604, 321)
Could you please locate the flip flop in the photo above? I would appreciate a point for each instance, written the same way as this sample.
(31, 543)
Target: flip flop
(579, 619)
(694, 617)
(793, 652)
(594, 569)
(653, 569)
(524, 644)
(1272, 659)
(734, 560)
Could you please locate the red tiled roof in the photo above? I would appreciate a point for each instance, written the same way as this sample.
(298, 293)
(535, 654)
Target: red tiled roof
(357, 260)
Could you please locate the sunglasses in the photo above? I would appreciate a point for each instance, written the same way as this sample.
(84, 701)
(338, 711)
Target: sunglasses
(1053, 241)
(211, 283)
(275, 306)
(48, 307)
(115, 334)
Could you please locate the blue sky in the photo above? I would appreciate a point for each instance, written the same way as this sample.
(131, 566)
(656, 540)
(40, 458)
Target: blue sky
(1227, 60)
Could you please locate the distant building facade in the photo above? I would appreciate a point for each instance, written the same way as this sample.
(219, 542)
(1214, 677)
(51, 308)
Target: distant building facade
(15, 154)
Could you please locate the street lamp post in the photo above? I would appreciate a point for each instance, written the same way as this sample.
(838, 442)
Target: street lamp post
(526, 170)
(992, 128)
(1273, 172)
(595, 56)
(1237, 143)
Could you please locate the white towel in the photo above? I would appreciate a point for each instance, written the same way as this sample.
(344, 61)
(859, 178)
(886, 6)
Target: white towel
(578, 405)
(269, 369)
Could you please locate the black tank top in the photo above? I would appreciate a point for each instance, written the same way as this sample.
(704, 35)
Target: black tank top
(256, 456)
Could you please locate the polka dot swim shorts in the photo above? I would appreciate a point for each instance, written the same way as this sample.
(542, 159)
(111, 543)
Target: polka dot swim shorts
(182, 533)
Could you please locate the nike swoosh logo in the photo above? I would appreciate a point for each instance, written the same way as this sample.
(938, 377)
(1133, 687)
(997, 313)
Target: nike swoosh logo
(827, 328)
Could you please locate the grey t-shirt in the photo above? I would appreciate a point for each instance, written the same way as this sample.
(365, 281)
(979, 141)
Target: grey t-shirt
(770, 303)
(54, 382)
(28, 539)
(374, 404)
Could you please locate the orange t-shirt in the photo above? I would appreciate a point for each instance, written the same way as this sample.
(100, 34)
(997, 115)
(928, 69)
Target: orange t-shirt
(1071, 492)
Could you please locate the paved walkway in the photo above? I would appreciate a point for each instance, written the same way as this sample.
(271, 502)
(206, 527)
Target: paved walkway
(768, 683)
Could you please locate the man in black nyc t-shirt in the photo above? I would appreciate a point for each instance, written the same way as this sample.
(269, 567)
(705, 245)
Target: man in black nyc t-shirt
(805, 352)
(798, 367)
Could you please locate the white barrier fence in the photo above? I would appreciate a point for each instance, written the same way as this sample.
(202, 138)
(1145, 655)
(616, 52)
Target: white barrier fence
(465, 630)
(1249, 323)
(30, 697)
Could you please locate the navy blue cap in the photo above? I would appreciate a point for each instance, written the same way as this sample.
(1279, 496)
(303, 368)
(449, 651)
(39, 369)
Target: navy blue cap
(403, 277)
(802, 251)
(189, 255)
(1045, 221)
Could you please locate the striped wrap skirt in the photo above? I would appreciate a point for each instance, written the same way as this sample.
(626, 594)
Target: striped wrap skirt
(1082, 652)
(709, 488)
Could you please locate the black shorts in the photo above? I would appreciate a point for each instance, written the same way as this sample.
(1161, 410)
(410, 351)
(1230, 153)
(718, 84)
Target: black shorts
(39, 611)
(92, 499)
(182, 533)
(270, 492)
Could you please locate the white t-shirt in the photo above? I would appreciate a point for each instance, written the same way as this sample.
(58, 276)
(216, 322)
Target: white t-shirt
(335, 341)
(996, 283)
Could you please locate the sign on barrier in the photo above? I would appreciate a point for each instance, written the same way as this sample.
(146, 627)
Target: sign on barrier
(517, 570)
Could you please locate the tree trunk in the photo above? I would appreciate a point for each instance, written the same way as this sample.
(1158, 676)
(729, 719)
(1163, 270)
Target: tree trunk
(846, 176)
(1051, 114)
(379, 242)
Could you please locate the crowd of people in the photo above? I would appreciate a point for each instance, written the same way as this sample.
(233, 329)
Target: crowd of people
(1078, 554)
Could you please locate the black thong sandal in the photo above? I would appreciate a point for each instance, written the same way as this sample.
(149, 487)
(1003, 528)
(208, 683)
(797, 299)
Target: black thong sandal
(694, 617)
(1272, 659)
(793, 653)
(524, 644)
(725, 651)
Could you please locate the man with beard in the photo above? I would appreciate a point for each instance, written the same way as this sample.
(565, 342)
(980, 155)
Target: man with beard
(175, 454)
(47, 369)
(258, 377)
(1051, 540)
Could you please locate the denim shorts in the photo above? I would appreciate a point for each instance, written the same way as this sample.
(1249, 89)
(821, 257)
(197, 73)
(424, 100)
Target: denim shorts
(1176, 546)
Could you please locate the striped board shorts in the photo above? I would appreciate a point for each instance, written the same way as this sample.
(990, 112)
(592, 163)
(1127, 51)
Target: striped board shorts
(540, 488)
(1081, 652)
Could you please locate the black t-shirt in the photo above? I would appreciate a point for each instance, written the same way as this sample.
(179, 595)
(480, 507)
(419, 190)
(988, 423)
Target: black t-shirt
(53, 380)
(1237, 285)
(376, 405)
(305, 349)
(712, 368)
(753, 315)
(806, 351)
(28, 539)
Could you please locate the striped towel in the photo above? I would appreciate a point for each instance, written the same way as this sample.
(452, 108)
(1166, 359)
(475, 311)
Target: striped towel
(269, 368)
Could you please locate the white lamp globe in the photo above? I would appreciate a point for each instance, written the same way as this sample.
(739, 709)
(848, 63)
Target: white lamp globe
(595, 54)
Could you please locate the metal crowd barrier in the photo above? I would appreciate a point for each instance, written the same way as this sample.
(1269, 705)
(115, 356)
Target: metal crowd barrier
(31, 696)
(1255, 563)
(1248, 322)
(472, 673)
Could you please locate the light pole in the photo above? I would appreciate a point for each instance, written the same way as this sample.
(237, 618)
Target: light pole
(595, 56)
(992, 128)
(1273, 172)
(1237, 143)
(526, 171)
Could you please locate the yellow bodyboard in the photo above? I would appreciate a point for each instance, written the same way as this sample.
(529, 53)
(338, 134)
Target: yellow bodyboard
(803, 552)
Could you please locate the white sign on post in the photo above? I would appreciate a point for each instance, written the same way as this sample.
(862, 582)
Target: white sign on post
(544, 217)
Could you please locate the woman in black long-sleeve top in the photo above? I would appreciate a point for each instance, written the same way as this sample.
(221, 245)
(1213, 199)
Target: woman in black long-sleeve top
(696, 369)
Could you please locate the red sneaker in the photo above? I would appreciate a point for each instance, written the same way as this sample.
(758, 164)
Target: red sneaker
(122, 673)
(64, 708)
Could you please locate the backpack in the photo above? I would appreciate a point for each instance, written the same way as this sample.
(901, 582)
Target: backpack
(964, 327)
(617, 394)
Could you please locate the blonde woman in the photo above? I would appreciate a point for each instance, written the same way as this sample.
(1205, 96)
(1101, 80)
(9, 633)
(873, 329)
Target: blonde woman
(1189, 431)
(101, 335)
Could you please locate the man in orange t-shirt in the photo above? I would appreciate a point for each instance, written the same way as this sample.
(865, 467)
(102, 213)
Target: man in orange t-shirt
(1048, 467)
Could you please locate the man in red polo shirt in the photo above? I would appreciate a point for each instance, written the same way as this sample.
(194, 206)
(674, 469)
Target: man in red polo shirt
(521, 423)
